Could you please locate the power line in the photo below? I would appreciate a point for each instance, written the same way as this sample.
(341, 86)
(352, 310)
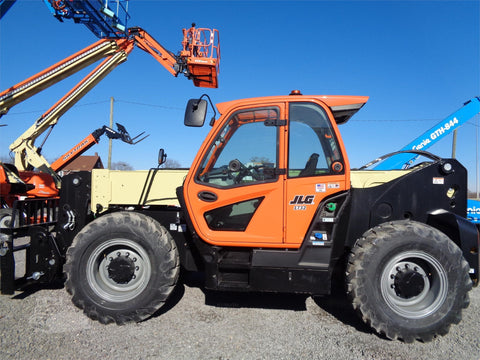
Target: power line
(181, 109)
(102, 102)
(399, 120)
(149, 105)
(42, 110)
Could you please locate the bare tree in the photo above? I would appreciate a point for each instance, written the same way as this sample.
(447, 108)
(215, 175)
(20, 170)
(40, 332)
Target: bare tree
(171, 164)
(121, 165)
(6, 159)
(260, 159)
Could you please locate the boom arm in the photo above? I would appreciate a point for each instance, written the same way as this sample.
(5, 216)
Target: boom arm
(95, 15)
(431, 136)
(5, 5)
(91, 140)
(25, 151)
(199, 60)
(53, 74)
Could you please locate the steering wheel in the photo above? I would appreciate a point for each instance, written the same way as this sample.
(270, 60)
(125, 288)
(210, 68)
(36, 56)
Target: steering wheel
(237, 166)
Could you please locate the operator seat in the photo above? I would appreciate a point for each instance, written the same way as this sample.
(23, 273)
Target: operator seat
(310, 166)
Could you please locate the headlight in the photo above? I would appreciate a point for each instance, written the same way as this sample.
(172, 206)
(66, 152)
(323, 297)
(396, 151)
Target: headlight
(447, 168)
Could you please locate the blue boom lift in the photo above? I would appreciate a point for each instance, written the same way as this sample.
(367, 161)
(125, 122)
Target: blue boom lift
(404, 158)
(96, 15)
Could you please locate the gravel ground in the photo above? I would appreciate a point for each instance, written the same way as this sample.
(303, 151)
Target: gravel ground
(44, 324)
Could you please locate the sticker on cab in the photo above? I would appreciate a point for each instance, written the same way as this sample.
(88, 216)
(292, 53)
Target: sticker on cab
(320, 188)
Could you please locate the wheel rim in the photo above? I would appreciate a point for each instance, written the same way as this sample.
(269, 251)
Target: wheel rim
(118, 270)
(414, 284)
(5, 221)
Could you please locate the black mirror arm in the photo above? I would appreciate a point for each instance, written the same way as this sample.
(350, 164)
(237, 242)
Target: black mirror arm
(195, 107)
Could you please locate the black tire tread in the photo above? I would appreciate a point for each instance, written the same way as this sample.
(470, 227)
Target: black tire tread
(134, 221)
(358, 295)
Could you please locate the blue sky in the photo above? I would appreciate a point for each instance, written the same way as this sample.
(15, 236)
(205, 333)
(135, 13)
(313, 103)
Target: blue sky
(419, 61)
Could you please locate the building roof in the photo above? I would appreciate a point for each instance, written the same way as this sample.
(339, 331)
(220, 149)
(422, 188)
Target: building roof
(85, 163)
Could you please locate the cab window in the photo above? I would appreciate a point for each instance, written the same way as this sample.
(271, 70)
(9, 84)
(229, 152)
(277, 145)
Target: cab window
(244, 152)
(313, 148)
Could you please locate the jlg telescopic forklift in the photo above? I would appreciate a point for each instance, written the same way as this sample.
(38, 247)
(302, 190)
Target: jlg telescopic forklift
(269, 204)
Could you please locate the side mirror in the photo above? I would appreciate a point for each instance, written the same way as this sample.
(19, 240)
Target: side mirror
(162, 157)
(195, 112)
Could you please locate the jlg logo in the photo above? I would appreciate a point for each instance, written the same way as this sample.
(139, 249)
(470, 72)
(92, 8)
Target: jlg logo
(301, 199)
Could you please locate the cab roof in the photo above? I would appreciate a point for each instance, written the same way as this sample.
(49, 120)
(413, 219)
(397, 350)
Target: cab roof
(342, 107)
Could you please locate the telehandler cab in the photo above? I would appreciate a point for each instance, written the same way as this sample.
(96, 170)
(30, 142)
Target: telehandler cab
(269, 204)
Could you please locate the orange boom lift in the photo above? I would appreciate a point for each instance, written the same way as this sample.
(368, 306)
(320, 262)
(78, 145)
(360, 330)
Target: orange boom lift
(198, 60)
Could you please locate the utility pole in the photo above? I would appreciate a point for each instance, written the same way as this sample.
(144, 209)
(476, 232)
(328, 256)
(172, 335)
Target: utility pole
(454, 144)
(478, 160)
(110, 140)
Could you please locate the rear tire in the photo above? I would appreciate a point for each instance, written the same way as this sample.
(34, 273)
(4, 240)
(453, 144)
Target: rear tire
(408, 281)
(121, 268)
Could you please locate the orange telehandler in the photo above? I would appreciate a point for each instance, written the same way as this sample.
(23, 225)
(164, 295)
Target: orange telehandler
(270, 203)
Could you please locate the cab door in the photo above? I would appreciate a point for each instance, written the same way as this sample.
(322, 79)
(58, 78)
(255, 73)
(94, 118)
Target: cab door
(235, 191)
(317, 167)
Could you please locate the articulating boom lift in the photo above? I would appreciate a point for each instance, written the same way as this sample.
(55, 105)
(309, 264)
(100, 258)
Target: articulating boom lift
(198, 60)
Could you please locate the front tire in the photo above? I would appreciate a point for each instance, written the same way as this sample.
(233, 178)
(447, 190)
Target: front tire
(408, 281)
(121, 268)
